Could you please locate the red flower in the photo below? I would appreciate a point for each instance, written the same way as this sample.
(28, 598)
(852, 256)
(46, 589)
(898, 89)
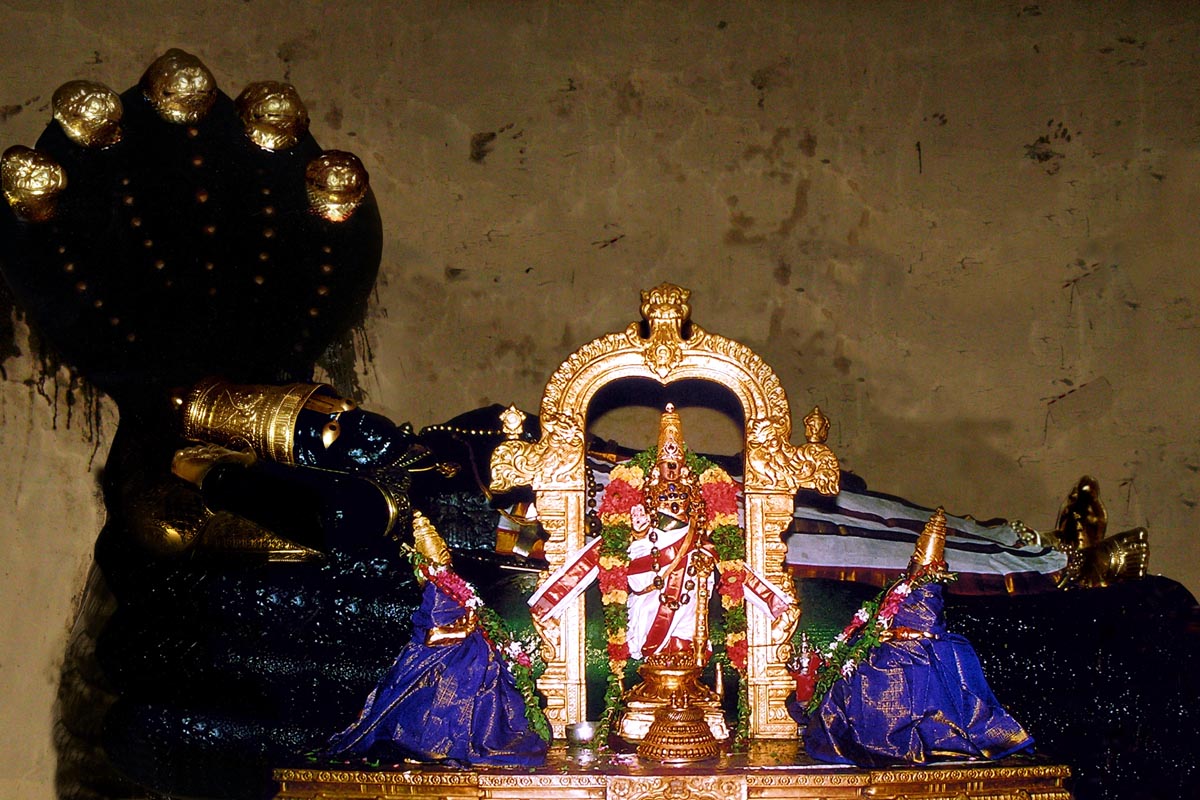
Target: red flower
(619, 497)
(737, 652)
(618, 651)
(890, 606)
(450, 583)
(719, 498)
(613, 580)
(893, 601)
(732, 583)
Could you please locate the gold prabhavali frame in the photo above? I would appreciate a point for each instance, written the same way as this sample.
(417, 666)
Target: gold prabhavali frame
(774, 469)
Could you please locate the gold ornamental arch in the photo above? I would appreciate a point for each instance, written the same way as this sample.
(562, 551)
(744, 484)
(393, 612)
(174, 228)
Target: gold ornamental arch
(774, 469)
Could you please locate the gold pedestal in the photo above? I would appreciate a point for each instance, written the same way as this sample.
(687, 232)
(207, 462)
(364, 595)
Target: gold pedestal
(771, 770)
(679, 735)
(663, 680)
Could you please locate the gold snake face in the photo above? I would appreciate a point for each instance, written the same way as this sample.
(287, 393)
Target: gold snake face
(31, 182)
(89, 113)
(180, 87)
(272, 114)
(337, 184)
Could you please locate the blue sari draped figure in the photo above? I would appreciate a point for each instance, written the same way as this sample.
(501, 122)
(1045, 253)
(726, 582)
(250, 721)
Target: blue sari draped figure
(450, 695)
(899, 688)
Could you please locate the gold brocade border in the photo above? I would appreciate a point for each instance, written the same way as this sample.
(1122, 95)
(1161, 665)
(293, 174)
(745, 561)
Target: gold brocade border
(993, 782)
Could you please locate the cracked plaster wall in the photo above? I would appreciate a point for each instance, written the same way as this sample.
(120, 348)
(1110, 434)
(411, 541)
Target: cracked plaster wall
(966, 230)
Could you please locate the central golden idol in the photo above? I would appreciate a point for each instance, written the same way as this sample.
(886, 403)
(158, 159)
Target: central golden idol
(670, 577)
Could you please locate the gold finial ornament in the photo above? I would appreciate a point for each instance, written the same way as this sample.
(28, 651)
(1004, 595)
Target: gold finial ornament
(179, 87)
(816, 426)
(32, 182)
(272, 114)
(89, 113)
(930, 550)
(428, 542)
(337, 184)
(247, 416)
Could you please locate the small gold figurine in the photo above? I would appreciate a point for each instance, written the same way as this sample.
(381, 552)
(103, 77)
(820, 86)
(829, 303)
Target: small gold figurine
(337, 184)
(1093, 558)
(180, 87)
(90, 113)
(273, 114)
(32, 182)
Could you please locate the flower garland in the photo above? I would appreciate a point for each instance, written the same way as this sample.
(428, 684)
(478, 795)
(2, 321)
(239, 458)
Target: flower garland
(625, 490)
(524, 662)
(866, 630)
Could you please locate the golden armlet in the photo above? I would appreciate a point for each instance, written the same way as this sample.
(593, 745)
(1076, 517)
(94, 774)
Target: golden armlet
(257, 417)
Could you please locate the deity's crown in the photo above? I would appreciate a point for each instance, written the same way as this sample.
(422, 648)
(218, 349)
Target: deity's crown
(672, 481)
(930, 551)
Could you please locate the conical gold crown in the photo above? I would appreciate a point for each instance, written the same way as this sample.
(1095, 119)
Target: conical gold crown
(670, 438)
(931, 544)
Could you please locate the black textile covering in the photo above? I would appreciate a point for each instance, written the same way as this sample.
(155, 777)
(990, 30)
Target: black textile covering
(1106, 680)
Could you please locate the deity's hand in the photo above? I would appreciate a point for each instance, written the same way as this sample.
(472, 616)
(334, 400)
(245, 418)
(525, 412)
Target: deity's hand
(193, 463)
(454, 632)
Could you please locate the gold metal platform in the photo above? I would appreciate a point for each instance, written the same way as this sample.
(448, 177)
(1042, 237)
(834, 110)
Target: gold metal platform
(771, 769)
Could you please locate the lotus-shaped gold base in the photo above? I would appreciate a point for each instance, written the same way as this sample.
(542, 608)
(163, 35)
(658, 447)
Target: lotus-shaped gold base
(679, 735)
(671, 679)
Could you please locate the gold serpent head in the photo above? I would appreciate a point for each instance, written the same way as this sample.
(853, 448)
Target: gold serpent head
(89, 113)
(337, 183)
(272, 114)
(180, 87)
(32, 182)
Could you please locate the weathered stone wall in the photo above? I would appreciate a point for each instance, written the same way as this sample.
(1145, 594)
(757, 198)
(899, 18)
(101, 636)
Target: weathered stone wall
(966, 230)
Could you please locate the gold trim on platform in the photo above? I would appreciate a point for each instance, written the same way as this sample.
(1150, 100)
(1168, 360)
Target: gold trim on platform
(775, 469)
(769, 771)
